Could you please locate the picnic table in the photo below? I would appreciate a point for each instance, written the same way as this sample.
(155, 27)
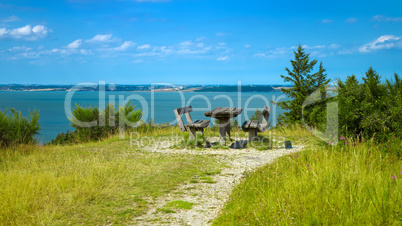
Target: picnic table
(223, 114)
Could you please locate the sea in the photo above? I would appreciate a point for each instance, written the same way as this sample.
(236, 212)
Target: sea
(55, 106)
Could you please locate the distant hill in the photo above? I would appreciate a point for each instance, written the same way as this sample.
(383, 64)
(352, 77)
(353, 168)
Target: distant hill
(244, 88)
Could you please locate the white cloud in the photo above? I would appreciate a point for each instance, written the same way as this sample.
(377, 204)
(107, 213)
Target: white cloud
(196, 51)
(85, 52)
(102, 38)
(67, 51)
(125, 46)
(146, 46)
(186, 43)
(277, 52)
(309, 47)
(318, 47)
(223, 58)
(247, 46)
(3, 31)
(221, 45)
(10, 19)
(74, 45)
(147, 54)
(26, 32)
(383, 42)
(327, 21)
(381, 18)
(40, 30)
(30, 55)
(334, 46)
(318, 54)
(22, 31)
(20, 48)
(351, 20)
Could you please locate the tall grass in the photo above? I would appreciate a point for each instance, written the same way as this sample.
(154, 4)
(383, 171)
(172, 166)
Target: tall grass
(16, 129)
(352, 183)
(94, 183)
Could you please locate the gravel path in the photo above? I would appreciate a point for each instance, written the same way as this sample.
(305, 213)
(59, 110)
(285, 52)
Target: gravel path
(208, 198)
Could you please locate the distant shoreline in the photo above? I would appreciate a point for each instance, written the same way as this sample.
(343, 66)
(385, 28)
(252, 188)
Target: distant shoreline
(144, 88)
(138, 91)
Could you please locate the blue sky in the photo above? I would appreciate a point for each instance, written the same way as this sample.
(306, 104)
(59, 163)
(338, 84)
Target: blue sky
(193, 41)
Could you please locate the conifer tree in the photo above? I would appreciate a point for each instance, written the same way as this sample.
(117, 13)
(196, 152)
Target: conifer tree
(304, 84)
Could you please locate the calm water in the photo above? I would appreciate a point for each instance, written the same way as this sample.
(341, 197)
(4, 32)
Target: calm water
(54, 120)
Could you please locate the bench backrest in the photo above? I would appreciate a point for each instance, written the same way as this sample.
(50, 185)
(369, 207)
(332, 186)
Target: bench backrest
(265, 113)
(186, 111)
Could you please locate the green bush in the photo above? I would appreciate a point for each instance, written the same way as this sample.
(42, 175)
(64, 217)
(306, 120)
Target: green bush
(64, 138)
(370, 109)
(91, 124)
(16, 129)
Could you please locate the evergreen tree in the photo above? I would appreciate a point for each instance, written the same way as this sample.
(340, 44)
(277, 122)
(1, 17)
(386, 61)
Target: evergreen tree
(257, 116)
(374, 104)
(304, 84)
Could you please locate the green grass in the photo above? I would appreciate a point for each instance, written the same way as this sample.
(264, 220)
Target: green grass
(170, 207)
(95, 183)
(179, 204)
(208, 180)
(165, 210)
(346, 184)
(111, 182)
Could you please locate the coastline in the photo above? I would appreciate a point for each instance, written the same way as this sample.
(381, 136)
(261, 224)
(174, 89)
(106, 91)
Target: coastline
(141, 91)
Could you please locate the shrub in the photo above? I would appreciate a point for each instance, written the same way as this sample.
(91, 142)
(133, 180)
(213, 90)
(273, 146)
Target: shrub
(16, 129)
(370, 109)
(64, 138)
(92, 124)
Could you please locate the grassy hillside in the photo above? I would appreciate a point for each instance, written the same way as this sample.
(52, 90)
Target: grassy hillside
(95, 183)
(352, 183)
(111, 182)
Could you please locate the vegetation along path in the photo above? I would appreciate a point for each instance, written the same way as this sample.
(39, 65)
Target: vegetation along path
(199, 201)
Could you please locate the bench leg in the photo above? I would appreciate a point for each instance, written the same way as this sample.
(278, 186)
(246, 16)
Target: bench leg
(252, 133)
(202, 133)
(222, 131)
(207, 144)
(228, 129)
(193, 133)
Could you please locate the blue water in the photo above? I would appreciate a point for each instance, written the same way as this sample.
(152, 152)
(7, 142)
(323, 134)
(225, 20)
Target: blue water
(54, 118)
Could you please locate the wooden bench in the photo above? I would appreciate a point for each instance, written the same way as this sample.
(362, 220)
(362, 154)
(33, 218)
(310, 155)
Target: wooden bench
(191, 126)
(254, 127)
